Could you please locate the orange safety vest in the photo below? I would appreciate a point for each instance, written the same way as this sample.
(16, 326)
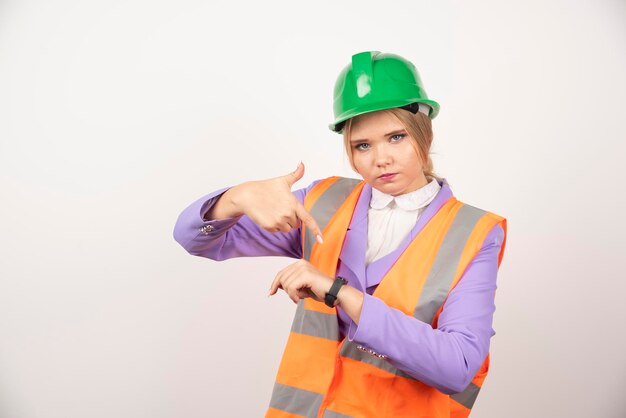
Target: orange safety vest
(321, 375)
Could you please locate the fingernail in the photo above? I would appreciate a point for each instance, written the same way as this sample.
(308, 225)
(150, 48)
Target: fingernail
(319, 239)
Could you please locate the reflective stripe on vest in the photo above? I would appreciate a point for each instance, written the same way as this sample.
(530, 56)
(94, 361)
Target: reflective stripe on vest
(325, 199)
(321, 375)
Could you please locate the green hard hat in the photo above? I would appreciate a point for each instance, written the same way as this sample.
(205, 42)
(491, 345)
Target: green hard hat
(377, 81)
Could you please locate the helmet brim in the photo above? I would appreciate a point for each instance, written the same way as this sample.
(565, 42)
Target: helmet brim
(337, 125)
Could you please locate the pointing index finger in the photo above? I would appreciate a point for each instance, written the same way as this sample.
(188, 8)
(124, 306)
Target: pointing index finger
(308, 220)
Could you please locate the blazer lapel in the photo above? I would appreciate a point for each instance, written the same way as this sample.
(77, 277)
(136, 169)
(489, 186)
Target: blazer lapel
(355, 243)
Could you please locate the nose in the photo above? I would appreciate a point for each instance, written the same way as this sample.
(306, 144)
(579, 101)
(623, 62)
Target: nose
(382, 156)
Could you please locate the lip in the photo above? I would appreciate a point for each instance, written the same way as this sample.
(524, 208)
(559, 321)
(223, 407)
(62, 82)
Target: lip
(387, 176)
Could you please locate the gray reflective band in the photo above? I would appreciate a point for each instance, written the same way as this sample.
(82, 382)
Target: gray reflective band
(446, 262)
(303, 402)
(350, 350)
(332, 414)
(316, 324)
(325, 207)
(296, 401)
(465, 398)
(468, 396)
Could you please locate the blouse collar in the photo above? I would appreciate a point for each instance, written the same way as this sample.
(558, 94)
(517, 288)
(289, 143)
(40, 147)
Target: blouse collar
(408, 201)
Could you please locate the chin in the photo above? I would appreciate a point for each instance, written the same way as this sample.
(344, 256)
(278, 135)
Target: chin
(389, 188)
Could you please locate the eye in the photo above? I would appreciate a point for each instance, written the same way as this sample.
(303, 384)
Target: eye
(398, 136)
(359, 146)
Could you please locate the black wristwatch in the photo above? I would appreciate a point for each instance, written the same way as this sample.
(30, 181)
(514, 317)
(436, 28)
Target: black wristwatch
(331, 296)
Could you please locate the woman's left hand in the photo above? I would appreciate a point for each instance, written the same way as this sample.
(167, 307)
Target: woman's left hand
(301, 280)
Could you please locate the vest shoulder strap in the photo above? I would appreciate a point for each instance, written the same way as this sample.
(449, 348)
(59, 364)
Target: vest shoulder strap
(322, 202)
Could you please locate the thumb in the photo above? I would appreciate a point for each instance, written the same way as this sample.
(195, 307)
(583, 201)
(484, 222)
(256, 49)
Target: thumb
(296, 175)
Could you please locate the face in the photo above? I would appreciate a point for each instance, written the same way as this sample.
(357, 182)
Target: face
(385, 155)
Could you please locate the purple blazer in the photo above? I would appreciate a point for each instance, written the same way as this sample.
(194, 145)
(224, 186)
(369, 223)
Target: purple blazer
(446, 358)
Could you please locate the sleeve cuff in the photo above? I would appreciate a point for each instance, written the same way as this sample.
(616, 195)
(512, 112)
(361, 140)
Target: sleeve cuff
(361, 332)
(210, 201)
(215, 225)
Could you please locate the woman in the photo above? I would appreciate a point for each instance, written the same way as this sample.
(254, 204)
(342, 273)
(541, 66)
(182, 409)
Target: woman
(396, 279)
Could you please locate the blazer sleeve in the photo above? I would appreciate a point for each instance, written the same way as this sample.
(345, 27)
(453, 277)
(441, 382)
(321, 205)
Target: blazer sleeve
(449, 356)
(233, 237)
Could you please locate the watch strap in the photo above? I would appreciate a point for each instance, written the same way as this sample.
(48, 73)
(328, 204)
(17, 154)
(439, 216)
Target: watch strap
(331, 295)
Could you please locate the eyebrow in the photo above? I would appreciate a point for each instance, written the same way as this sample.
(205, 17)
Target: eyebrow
(396, 132)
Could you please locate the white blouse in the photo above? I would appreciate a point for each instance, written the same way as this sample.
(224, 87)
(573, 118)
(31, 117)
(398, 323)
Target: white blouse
(396, 216)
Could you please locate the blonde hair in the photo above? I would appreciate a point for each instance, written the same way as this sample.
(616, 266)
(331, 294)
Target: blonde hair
(419, 128)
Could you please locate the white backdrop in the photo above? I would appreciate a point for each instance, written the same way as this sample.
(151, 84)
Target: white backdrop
(115, 115)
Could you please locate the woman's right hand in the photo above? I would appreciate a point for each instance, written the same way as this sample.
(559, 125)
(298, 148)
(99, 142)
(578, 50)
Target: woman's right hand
(271, 204)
